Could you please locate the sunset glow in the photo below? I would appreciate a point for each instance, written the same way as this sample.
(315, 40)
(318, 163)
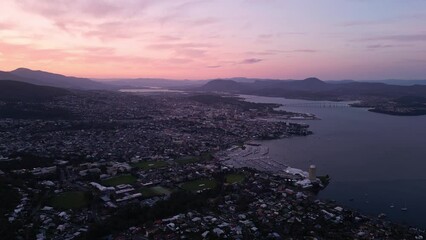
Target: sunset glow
(199, 39)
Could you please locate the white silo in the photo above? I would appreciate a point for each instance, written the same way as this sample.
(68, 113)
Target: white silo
(312, 173)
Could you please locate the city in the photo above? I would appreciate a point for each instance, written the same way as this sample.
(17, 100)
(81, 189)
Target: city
(200, 119)
(140, 153)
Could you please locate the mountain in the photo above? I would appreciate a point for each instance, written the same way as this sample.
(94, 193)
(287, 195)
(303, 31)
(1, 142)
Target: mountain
(10, 76)
(152, 82)
(21, 91)
(221, 85)
(315, 89)
(402, 82)
(168, 83)
(340, 81)
(53, 79)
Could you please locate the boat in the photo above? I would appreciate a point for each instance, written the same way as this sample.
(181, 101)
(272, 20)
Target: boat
(404, 209)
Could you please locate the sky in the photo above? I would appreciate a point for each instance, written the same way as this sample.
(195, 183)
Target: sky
(205, 39)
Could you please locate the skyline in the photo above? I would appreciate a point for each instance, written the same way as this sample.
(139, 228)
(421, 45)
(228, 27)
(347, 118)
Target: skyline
(183, 39)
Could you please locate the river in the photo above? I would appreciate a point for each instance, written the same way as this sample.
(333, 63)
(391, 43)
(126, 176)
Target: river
(377, 162)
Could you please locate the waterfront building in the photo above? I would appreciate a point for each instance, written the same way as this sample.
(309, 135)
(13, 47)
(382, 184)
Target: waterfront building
(312, 172)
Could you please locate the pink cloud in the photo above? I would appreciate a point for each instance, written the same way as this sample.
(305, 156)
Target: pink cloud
(58, 8)
(251, 61)
(7, 26)
(203, 21)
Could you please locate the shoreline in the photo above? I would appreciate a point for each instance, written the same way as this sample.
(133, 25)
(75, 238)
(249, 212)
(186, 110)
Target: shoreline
(256, 157)
(381, 216)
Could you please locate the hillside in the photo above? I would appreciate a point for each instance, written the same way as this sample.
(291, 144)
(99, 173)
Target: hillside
(52, 79)
(15, 90)
(9, 76)
(314, 89)
(153, 82)
(380, 97)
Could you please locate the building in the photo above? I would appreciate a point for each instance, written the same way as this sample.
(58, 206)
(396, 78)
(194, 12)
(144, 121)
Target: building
(312, 172)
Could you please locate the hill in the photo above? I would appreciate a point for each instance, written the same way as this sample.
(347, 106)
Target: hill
(10, 76)
(52, 79)
(380, 97)
(153, 82)
(314, 89)
(21, 91)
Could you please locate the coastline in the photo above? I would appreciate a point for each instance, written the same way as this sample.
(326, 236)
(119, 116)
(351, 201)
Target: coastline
(253, 155)
(392, 216)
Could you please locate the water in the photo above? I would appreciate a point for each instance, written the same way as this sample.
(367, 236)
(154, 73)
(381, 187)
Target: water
(375, 160)
(150, 90)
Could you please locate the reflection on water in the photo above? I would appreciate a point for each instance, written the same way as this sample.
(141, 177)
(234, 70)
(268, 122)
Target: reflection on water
(375, 160)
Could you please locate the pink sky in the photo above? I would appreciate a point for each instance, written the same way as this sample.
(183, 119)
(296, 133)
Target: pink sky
(199, 39)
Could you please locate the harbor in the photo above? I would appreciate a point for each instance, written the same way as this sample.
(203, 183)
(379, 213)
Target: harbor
(371, 171)
(256, 156)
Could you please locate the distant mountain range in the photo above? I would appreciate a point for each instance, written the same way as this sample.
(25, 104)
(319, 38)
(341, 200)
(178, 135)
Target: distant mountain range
(401, 82)
(238, 83)
(396, 97)
(152, 82)
(314, 89)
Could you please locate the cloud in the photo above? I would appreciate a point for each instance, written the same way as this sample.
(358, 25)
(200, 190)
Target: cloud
(60, 8)
(214, 66)
(81, 55)
(266, 36)
(181, 11)
(90, 17)
(179, 60)
(273, 52)
(399, 38)
(111, 30)
(192, 50)
(203, 21)
(388, 20)
(381, 46)
(261, 53)
(168, 38)
(183, 6)
(360, 23)
(6, 26)
(251, 61)
(178, 45)
(305, 50)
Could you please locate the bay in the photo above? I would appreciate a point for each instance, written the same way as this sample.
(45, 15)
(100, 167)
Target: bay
(377, 162)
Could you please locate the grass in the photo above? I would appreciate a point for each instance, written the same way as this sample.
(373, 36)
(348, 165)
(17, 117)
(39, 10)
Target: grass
(69, 200)
(9, 197)
(147, 165)
(235, 178)
(155, 191)
(193, 159)
(123, 179)
(199, 185)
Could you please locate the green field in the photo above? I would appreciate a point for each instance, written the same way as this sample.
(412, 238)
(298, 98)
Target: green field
(69, 200)
(154, 191)
(147, 165)
(123, 179)
(235, 178)
(193, 159)
(199, 184)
